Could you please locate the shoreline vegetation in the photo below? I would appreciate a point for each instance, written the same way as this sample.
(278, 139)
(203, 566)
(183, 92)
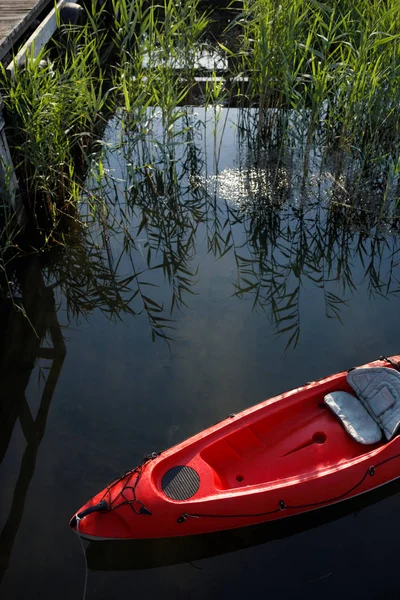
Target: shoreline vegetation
(337, 67)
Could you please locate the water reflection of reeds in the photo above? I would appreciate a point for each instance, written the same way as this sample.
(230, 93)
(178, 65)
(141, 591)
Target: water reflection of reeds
(282, 230)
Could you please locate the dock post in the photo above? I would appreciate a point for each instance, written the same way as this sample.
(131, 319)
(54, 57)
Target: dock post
(8, 179)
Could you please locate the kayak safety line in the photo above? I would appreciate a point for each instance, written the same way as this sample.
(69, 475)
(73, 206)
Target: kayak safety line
(85, 558)
(370, 472)
(185, 516)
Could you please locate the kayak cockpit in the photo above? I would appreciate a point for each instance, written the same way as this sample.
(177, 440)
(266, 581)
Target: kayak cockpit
(296, 438)
(306, 436)
(309, 440)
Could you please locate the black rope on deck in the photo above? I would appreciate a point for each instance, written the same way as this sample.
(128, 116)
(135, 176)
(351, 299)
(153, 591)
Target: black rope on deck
(137, 505)
(370, 472)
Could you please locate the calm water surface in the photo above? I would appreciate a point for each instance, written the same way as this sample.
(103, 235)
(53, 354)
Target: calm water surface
(262, 279)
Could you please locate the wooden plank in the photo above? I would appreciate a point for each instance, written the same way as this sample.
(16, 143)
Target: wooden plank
(15, 18)
(39, 38)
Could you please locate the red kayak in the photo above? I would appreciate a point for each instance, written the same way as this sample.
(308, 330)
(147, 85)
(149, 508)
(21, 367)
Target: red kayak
(319, 444)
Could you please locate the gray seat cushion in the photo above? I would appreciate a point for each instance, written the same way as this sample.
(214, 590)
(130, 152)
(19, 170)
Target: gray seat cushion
(356, 420)
(379, 390)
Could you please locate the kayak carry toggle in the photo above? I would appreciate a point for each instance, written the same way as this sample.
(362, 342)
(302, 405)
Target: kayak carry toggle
(100, 507)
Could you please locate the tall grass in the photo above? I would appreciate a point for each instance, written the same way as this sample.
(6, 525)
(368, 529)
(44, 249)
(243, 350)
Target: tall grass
(340, 62)
(156, 45)
(55, 107)
(57, 104)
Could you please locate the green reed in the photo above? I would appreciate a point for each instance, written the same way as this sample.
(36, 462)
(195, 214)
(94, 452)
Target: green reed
(338, 61)
(157, 46)
(54, 110)
(58, 104)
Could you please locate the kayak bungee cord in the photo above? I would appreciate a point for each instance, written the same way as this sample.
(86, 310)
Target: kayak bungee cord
(282, 504)
(105, 506)
(135, 503)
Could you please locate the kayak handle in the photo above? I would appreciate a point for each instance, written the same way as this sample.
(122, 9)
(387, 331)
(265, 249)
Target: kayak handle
(100, 507)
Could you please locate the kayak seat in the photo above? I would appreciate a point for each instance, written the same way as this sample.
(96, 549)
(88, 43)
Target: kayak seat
(378, 388)
(355, 418)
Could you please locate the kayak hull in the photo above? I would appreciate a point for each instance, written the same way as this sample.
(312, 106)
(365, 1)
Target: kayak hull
(283, 457)
(123, 555)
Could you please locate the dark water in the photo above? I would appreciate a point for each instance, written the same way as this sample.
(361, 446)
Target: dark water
(263, 277)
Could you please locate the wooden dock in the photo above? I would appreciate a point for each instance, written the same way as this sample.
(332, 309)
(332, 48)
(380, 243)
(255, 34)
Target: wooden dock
(16, 16)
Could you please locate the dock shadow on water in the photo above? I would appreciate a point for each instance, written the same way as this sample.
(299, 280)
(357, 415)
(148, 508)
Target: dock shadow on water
(31, 341)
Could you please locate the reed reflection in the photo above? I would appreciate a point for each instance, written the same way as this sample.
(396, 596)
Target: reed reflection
(285, 214)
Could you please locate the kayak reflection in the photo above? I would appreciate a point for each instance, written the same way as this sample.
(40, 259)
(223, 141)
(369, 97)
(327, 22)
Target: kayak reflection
(131, 555)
